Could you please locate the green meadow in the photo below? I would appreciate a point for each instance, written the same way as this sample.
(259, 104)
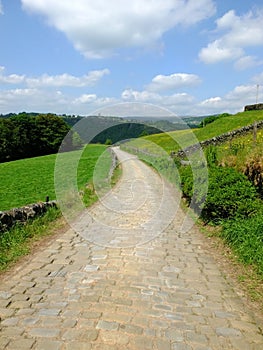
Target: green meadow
(173, 141)
(30, 180)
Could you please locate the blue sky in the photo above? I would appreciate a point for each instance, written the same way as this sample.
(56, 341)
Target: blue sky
(74, 57)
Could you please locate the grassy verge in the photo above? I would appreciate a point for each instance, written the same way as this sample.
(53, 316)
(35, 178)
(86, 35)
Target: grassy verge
(20, 239)
(248, 282)
(103, 183)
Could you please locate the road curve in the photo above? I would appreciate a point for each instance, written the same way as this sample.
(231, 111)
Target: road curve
(127, 279)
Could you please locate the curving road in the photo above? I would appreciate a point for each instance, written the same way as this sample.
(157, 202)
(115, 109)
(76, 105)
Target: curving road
(128, 279)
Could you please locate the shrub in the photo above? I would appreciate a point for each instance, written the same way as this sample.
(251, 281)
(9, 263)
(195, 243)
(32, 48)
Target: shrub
(211, 156)
(254, 171)
(230, 195)
(194, 184)
(186, 176)
(245, 236)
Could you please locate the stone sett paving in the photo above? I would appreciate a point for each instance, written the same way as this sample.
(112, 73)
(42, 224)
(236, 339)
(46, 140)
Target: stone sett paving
(164, 294)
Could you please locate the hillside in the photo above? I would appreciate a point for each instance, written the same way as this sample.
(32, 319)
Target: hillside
(173, 141)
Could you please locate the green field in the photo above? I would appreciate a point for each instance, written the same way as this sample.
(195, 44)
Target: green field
(31, 180)
(175, 140)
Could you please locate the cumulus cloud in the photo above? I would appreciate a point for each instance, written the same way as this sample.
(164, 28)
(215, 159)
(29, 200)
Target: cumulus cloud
(235, 34)
(98, 28)
(85, 98)
(213, 101)
(168, 101)
(89, 79)
(46, 80)
(173, 81)
(140, 96)
(232, 102)
(10, 79)
(243, 93)
(17, 100)
(247, 62)
(217, 51)
(44, 100)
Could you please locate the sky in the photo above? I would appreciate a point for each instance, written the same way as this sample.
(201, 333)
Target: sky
(76, 57)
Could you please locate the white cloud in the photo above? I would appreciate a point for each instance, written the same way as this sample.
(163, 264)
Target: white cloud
(243, 93)
(43, 100)
(98, 28)
(1, 8)
(18, 100)
(140, 96)
(176, 104)
(54, 101)
(89, 79)
(85, 98)
(233, 102)
(213, 101)
(173, 81)
(46, 80)
(152, 97)
(10, 79)
(217, 51)
(247, 62)
(235, 34)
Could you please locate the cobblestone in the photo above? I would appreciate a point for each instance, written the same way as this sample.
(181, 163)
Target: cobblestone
(132, 289)
(21, 344)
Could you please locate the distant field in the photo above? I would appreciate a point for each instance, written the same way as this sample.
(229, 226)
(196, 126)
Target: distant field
(226, 124)
(31, 180)
(175, 140)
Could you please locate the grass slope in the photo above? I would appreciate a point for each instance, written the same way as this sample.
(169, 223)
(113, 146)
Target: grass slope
(31, 180)
(175, 140)
(20, 240)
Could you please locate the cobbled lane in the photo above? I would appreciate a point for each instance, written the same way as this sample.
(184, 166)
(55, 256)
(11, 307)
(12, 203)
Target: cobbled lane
(129, 279)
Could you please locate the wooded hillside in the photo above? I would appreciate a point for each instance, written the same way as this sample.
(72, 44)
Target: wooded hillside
(26, 136)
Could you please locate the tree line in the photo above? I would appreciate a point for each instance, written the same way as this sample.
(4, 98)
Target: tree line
(27, 135)
(32, 135)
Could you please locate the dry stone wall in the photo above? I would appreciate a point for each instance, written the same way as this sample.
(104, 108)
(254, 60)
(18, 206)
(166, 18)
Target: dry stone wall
(218, 139)
(256, 107)
(10, 217)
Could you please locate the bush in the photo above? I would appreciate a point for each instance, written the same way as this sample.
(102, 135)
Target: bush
(254, 171)
(245, 236)
(230, 195)
(194, 184)
(211, 156)
(186, 176)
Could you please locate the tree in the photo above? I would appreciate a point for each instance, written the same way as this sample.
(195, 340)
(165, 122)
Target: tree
(51, 132)
(108, 142)
(30, 135)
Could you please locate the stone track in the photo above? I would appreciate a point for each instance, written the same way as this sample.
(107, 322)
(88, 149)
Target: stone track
(130, 287)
